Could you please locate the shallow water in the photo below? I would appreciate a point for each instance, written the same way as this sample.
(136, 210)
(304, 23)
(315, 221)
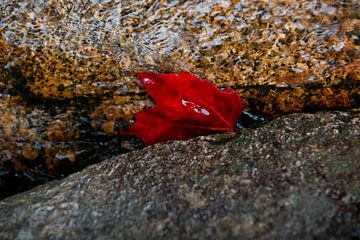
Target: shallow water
(68, 82)
(241, 42)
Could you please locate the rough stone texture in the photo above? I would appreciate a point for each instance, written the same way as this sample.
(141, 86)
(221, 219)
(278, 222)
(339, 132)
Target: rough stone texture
(295, 177)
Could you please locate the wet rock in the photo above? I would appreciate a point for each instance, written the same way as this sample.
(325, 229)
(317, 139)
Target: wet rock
(39, 144)
(294, 177)
(63, 48)
(77, 49)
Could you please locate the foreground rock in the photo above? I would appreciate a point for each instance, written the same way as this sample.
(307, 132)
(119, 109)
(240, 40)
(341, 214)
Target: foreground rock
(297, 176)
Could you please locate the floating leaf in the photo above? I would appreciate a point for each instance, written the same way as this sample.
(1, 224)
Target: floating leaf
(186, 106)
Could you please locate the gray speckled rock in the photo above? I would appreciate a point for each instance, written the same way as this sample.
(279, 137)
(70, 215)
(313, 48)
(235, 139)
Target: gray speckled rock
(295, 177)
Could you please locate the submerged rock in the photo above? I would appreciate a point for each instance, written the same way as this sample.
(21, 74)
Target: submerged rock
(295, 177)
(64, 47)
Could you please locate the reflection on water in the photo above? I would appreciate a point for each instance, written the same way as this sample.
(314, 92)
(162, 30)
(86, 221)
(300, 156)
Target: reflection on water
(68, 68)
(242, 42)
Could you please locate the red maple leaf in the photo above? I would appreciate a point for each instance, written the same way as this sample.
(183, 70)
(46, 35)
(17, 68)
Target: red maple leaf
(186, 106)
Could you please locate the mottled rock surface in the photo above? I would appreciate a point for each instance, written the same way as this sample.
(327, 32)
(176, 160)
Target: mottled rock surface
(295, 177)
